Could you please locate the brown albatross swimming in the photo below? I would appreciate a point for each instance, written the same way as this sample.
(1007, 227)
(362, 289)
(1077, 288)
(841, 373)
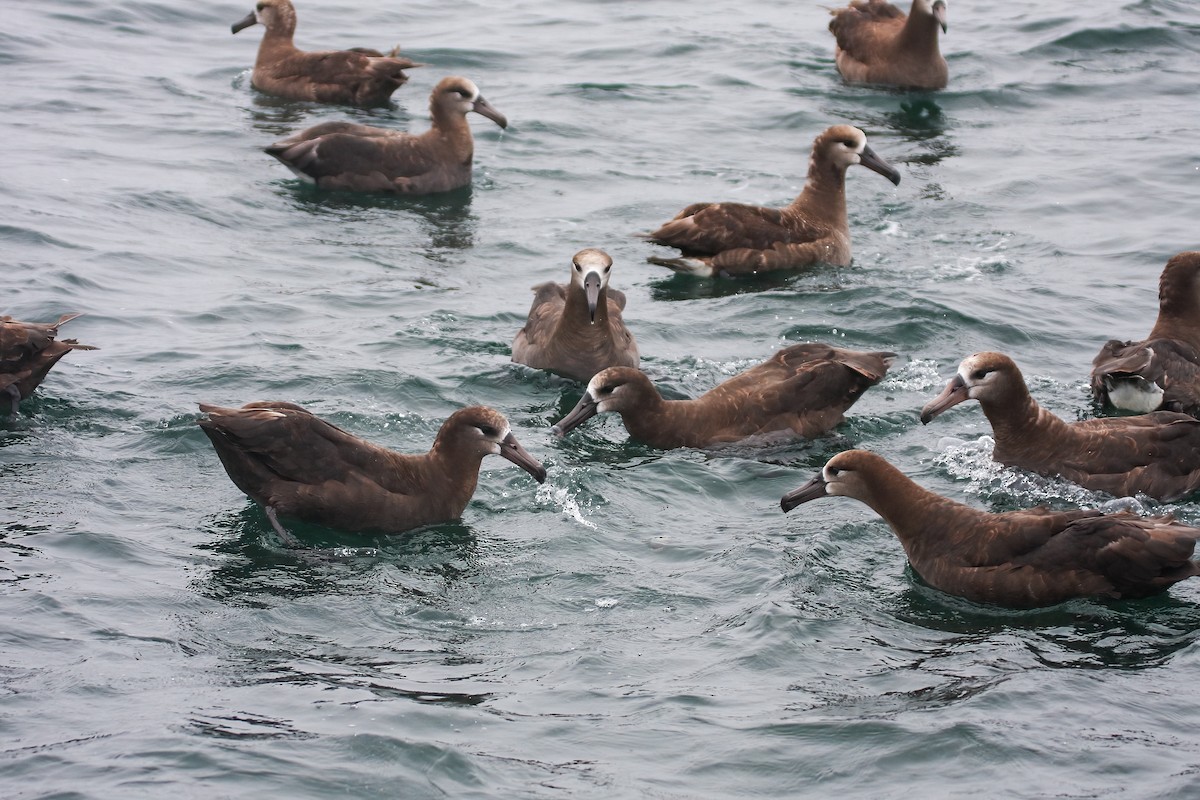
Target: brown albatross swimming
(27, 352)
(1162, 370)
(295, 464)
(1018, 559)
(803, 390)
(345, 155)
(737, 239)
(575, 329)
(359, 77)
(1157, 454)
(877, 43)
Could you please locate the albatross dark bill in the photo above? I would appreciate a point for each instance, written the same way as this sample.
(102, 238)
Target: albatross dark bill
(591, 289)
(511, 449)
(871, 161)
(812, 490)
(955, 392)
(244, 22)
(585, 409)
(485, 108)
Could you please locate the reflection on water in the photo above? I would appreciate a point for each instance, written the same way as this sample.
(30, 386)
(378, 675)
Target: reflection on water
(1084, 633)
(445, 218)
(677, 286)
(917, 119)
(254, 564)
(278, 117)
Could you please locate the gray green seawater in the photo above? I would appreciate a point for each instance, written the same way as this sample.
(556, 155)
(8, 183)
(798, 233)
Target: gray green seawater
(647, 624)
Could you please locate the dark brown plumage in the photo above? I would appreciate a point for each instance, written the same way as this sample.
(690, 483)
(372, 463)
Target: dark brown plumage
(803, 390)
(737, 239)
(1018, 559)
(296, 464)
(877, 43)
(1162, 370)
(575, 329)
(344, 155)
(1157, 454)
(27, 352)
(358, 77)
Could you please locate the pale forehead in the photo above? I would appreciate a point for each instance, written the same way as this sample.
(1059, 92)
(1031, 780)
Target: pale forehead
(971, 363)
(592, 258)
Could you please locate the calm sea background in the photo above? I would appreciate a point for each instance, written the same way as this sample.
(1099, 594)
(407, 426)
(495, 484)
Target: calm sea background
(647, 624)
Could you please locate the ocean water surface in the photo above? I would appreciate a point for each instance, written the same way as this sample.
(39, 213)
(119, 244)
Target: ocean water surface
(647, 624)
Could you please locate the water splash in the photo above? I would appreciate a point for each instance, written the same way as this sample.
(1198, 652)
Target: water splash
(918, 375)
(972, 461)
(562, 498)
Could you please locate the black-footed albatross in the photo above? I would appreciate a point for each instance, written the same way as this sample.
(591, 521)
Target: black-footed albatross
(1162, 370)
(737, 239)
(801, 391)
(359, 76)
(295, 464)
(575, 329)
(1017, 559)
(877, 43)
(348, 156)
(27, 352)
(1157, 454)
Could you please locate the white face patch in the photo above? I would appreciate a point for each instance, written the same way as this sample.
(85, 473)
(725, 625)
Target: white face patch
(968, 366)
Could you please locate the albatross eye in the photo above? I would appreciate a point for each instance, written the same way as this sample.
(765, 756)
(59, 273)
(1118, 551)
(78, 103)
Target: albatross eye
(488, 430)
(979, 374)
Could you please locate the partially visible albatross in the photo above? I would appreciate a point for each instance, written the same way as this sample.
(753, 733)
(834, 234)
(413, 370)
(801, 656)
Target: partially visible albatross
(1162, 370)
(27, 352)
(877, 43)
